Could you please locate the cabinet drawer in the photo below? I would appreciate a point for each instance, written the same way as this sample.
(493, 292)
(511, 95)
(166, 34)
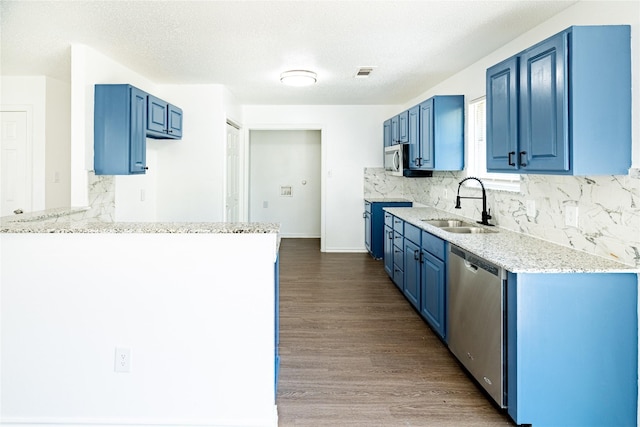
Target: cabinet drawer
(388, 219)
(434, 245)
(398, 240)
(398, 225)
(398, 276)
(398, 256)
(412, 233)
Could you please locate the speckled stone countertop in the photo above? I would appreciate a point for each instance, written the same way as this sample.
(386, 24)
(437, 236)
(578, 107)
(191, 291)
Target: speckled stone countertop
(41, 222)
(382, 199)
(515, 252)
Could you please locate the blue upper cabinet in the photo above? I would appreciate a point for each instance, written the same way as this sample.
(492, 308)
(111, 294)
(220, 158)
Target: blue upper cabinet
(400, 128)
(164, 121)
(561, 106)
(434, 130)
(119, 130)
(441, 134)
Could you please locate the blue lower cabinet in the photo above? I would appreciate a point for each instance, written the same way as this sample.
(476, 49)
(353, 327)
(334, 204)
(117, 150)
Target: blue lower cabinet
(572, 349)
(374, 222)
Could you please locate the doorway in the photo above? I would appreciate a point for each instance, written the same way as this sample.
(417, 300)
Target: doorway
(15, 193)
(285, 180)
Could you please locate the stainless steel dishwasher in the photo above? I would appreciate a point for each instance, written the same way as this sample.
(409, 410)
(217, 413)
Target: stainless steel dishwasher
(476, 311)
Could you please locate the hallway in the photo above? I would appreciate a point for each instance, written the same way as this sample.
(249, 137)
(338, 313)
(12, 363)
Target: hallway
(354, 353)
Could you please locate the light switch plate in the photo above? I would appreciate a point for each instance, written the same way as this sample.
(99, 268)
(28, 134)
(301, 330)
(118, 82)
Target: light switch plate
(531, 208)
(571, 216)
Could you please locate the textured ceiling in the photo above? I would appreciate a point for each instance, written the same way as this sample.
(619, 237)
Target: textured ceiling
(245, 45)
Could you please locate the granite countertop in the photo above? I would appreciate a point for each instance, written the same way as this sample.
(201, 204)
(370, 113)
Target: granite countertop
(384, 199)
(515, 252)
(63, 221)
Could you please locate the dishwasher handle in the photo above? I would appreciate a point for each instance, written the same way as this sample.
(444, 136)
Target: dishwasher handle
(472, 268)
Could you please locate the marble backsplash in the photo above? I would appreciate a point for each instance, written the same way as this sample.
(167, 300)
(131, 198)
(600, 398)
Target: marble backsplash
(608, 207)
(102, 197)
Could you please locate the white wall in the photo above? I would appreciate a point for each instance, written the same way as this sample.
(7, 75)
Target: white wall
(192, 170)
(351, 141)
(286, 158)
(58, 144)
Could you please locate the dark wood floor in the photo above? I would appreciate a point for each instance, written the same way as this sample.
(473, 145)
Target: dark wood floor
(353, 352)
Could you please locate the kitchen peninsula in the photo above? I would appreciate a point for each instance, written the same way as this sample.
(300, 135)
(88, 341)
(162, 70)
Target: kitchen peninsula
(193, 303)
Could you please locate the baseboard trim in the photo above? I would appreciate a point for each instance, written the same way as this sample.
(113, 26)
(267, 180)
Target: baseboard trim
(138, 422)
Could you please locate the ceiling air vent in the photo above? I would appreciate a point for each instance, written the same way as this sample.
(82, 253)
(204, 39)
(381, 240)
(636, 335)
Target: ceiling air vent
(363, 72)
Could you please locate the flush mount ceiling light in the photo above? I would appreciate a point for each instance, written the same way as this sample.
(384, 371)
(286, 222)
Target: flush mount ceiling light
(298, 78)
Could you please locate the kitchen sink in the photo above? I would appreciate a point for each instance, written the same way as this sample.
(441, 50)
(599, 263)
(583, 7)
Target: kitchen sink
(467, 230)
(447, 223)
(458, 226)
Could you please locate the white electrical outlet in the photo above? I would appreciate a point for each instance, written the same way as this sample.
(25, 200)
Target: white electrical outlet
(123, 360)
(531, 208)
(571, 216)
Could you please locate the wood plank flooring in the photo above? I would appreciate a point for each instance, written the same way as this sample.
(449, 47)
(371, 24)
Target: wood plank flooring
(354, 353)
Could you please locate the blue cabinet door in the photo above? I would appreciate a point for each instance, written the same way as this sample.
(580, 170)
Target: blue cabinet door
(388, 251)
(414, 136)
(403, 127)
(367, 226)
(425, 158)
(433, 286)
(502, 116)
(119, 130)
(138, 159)
(544, 141)
(386, 132)
(157, 115)
(411, 286)
(395, 130)
(175, 121)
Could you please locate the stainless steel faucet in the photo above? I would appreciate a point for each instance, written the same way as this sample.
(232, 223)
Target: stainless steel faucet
(486, 214)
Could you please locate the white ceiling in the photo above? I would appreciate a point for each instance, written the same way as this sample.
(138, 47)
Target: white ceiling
(245, 45)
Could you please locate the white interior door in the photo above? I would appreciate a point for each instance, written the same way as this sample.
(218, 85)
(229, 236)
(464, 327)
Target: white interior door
(15, 172)
(232, 197)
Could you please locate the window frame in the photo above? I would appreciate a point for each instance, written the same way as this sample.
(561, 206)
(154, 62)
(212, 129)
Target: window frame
(476, 151)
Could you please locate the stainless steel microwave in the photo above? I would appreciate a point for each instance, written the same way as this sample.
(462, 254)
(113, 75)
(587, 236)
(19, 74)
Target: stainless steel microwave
(396, 162)
(394, 159)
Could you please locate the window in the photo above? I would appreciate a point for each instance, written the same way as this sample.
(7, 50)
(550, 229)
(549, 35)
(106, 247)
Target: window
(477, 152)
